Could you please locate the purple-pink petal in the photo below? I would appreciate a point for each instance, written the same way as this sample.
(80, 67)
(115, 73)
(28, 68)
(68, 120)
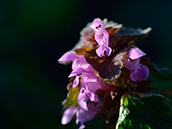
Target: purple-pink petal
(135, 53)
(92, 82)
(102, 49)
(140, 74)
(68, 114)
(97, 24)
(84, 95)
(82, 63)
(89, 77)
(76, 82)
(68, 56)
(76, 72)
(91, 95)
(82, 99)
(82, 126)
(106, 38)
(131, 64)
(102, 37)
(83, 115)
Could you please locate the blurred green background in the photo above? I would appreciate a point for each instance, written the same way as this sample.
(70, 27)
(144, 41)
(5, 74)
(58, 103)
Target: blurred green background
(35, 33)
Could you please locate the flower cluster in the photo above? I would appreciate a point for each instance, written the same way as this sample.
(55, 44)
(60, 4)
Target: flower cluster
(106, 63)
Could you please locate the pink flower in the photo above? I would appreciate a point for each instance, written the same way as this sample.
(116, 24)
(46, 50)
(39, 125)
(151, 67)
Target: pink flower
(84, 70)
(93, 83)
(139, 72)
(90, 83)
(81, 115)
(79, 64)
(102, 37)
(84, 95)
(68, 56)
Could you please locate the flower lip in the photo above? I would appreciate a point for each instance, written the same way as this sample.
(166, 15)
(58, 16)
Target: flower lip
(140, 74)
(97, 24)
(81, 114)
(68, 56)
(135, 53)
(68, 114)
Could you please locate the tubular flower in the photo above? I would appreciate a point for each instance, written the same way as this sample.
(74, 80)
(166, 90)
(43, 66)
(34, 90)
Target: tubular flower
(79, 63)
(83, 96)
(81, 115)
(89, 81)
(102, 37)
(139, 72)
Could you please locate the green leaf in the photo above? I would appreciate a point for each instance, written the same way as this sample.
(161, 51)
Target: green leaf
(71, 97)
(148, 112)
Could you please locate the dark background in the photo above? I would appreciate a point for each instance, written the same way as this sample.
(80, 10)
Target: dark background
(35, 33)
